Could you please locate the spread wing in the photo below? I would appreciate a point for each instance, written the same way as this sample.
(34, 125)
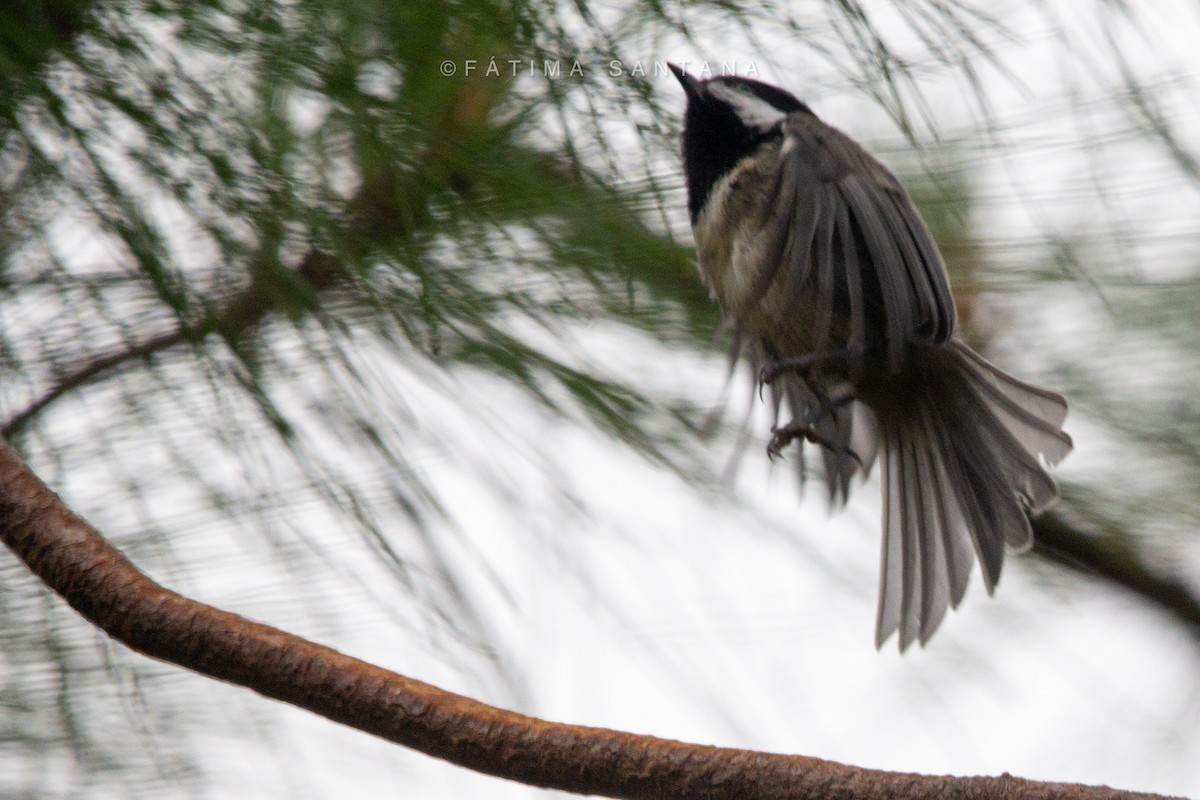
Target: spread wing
(850, 234)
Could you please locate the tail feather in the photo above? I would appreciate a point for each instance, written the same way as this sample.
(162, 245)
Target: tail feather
(938, 574)
(960, 456)
(1032, 419)
(957, 550)
(920, 590)
(891, 570)
(913, 583)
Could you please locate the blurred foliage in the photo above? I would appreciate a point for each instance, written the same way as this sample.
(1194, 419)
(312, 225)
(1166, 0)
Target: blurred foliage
(265, 267)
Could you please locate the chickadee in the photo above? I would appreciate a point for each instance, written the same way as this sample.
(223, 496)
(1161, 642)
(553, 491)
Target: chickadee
(822, 265)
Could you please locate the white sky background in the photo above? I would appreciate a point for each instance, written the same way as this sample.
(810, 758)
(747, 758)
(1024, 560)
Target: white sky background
(743, 619)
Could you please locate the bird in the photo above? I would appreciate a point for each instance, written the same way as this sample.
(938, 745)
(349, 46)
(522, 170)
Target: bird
(838, 296)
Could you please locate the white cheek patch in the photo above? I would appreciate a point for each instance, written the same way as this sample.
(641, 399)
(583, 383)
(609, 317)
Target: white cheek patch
(750, 108)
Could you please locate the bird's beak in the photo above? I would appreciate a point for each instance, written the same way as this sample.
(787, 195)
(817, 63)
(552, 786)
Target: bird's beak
(691, 86)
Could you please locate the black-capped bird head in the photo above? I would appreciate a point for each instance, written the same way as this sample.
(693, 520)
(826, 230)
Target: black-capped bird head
(727, 118)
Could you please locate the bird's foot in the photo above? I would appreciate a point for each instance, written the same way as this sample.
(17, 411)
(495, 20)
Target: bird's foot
(805, 428)
(801, 365)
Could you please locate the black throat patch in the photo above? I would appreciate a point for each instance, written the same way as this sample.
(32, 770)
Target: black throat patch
(715, 139)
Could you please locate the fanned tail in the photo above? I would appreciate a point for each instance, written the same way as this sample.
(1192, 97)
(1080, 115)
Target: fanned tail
(960, 442)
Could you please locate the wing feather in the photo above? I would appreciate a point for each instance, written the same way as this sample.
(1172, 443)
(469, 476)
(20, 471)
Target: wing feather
(942, 308)
(853, 272)
(882, 269)
(824, 269)
(884, 256)
(797, 212)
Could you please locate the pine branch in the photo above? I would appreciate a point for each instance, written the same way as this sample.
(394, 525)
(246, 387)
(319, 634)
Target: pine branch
(239, 314)
(74, 560)
(1106, 558)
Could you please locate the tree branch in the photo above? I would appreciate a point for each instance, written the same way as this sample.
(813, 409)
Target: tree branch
(96, 580)
(317, 272)
(1105, 557)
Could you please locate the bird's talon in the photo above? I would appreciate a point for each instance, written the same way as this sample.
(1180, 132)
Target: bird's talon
(767, 375)
(780, 438)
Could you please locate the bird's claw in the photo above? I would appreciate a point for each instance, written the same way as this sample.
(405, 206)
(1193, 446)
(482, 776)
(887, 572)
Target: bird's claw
(767, 374)
(780, 438)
